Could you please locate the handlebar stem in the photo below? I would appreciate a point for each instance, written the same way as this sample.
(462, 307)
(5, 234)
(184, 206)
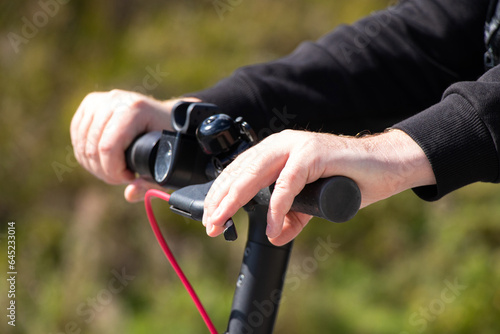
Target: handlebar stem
(260, 281)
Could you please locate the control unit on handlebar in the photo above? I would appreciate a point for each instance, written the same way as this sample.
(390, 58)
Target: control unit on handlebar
(204, 144)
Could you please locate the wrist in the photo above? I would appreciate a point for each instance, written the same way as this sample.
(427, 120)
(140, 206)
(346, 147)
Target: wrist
(404, 162)
(382, 165)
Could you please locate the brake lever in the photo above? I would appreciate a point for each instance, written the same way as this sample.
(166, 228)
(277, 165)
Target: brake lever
(189, 201)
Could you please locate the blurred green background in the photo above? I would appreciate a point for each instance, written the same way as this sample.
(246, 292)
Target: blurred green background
(401, 266)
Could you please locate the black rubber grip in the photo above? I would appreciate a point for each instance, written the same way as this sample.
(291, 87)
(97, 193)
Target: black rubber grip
(336, 199)
(140, 156)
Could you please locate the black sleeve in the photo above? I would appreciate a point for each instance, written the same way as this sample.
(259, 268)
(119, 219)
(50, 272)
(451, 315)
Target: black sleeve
(369, 75)
(460, 135)
(381, 70)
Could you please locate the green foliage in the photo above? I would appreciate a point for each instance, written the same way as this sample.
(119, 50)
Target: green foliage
(74, 233)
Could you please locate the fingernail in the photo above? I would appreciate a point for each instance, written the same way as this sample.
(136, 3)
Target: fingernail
(210, 227)
(133, 197)
(269, 230)
(138, 192)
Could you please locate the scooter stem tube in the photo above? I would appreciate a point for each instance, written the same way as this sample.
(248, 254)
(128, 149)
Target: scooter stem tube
(260, 281)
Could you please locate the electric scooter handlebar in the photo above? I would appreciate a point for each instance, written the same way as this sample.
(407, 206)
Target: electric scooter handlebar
(191, 158)
(336, 199)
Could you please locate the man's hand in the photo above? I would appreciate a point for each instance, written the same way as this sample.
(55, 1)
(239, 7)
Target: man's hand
(104, 126)
(382, 165)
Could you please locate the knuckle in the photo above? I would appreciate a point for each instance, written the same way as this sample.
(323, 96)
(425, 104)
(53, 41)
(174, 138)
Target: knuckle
(139, 104)
(284, 135)
(282, 185)
(91, 100)
(286, 182)
(105, 148)
(209, 205)
(120, 106)
(91, 152)
(276, 210)
(214, 188)
(222, 182)
(79, 149)
(119, 99)
(308, 146)
(89, 97)
(217, 190)
(229, 171)
(253, 168)
(115, 93)
(288, 132)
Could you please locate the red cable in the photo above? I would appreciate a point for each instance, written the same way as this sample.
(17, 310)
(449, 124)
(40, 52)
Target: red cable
(161, 240)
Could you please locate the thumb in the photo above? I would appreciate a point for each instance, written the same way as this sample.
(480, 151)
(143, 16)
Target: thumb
(136, 190)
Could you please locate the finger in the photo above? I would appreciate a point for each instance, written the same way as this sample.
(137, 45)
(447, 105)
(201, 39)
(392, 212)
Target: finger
(112, 146)
(294, 223)
(289, 184)
(254, 171)
(79, 126)
(214, 230)
(227, 195)
(75, 121)
(230, 173)
(220, 187)
(136, 190)
(94, 133)
(81, 135)
(139, 116)
(78, 116)
(215, 194)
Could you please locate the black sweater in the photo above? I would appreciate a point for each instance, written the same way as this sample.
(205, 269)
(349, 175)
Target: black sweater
(418, 64)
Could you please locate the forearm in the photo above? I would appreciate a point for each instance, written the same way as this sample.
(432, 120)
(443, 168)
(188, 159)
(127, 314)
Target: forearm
(406, 164)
